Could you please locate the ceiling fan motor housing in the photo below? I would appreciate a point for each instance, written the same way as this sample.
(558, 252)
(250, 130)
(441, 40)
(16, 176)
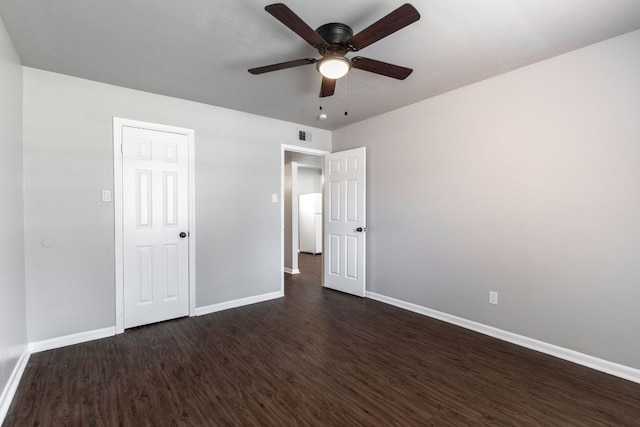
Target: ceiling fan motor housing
(335, 32)
(337, 36)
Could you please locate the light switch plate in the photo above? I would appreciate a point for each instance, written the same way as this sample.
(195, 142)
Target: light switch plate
(106, 195)
(274, 198)
(493, 297)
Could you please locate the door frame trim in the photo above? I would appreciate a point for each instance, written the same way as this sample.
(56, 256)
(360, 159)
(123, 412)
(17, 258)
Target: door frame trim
(297, 149)
(118, 124)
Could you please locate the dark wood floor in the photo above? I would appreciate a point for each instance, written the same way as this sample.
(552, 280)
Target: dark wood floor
(315, 357)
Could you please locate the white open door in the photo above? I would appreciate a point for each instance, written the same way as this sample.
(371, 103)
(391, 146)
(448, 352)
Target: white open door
(155, 225)
(345, 221)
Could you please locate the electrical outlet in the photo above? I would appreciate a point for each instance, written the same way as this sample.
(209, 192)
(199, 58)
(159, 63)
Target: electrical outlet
(493, 297)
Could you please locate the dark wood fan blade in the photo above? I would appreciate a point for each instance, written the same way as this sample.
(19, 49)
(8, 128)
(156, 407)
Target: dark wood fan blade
(285, 15)
(379, 67)
(328, 87)
(281, 66)
(396, 20)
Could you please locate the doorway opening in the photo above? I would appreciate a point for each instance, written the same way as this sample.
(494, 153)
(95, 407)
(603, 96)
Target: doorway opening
(302, 236)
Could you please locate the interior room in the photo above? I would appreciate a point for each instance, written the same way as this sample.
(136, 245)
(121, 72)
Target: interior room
(502, 205)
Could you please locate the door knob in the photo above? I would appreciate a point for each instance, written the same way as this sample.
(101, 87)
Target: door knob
(183, 235)
(361, 229)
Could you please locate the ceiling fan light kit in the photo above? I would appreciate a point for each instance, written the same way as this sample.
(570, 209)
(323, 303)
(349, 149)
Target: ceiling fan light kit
(334, 40)
(333, 67)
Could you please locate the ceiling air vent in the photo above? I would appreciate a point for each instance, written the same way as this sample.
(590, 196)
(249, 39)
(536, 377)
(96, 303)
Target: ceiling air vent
(304, 136)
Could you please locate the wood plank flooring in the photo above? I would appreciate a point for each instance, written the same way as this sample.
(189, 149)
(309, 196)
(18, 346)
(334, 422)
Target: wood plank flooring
(315, 357)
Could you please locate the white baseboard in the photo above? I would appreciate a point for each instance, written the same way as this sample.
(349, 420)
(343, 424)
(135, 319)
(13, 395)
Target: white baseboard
(37, 346)
(291, 271)
(34, 347)
(12, 385)
(611, 368)
(237, 303)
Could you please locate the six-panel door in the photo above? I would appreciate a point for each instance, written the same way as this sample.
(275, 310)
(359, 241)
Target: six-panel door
(345, 221)
(155, 213)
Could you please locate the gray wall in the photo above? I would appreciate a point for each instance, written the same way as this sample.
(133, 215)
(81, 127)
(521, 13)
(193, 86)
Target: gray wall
(13, 336)
(527, 184)
(68, 160)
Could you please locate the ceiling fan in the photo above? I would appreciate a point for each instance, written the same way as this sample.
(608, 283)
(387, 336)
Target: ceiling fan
(335, 40)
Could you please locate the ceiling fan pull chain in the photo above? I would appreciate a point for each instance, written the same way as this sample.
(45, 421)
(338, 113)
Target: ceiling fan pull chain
(346, 100)
(322, 116)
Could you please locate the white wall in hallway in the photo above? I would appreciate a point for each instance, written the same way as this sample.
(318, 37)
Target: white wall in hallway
(309, 180)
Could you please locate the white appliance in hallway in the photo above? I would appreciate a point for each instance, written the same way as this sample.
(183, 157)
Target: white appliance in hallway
(310, 222)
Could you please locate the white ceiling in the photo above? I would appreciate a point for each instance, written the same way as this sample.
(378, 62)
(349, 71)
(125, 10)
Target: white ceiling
(200, 49)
